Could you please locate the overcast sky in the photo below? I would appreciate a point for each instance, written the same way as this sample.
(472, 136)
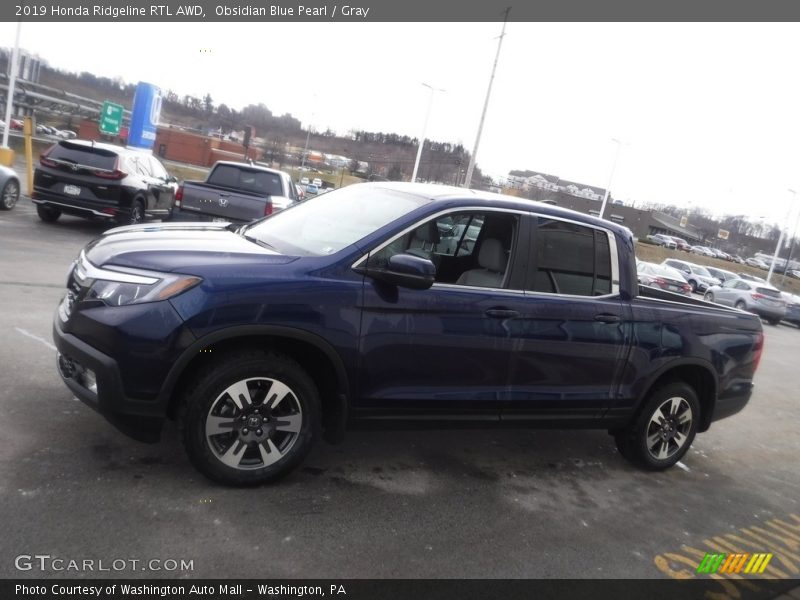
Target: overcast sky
(709, 113)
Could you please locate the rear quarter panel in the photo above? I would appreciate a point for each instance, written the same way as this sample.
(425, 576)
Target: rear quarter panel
(666, 334)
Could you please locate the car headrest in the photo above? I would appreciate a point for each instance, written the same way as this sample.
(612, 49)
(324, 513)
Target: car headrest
(427, 232)
(492, 256)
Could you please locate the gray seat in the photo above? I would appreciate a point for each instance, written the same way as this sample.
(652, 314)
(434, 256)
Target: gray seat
(492, 260)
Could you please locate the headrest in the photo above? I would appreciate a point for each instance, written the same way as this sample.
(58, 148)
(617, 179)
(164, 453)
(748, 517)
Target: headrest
(427, 232)
(492, 256)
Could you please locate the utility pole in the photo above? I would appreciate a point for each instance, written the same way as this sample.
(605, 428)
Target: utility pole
(791, 247)
(610, 178)
(471, 168)
(780, 239)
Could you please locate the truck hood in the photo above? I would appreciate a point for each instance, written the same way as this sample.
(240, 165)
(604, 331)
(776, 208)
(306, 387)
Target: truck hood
(179, 247)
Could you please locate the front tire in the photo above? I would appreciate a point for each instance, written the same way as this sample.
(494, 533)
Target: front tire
(251, 419)
(664, 429)
(9, 196)
(693, 285)
(709, 297)
(741, 305)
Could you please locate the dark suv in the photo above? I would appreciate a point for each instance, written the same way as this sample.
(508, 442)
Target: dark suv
(95, 180)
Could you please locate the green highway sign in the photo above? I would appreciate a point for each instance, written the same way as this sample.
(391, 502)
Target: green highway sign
(111, 118)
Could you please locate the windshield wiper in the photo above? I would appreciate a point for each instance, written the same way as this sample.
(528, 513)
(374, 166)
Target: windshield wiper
(261, 243)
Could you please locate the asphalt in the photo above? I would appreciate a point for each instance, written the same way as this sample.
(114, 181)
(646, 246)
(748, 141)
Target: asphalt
(456, 504)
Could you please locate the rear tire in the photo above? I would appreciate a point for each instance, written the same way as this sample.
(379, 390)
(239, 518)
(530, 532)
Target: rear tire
(664, 429)
(135, 216)
(709, 297)
(741, 305)
(47, 214)
(693, 285)
(774, 321)
(10, 194)
(251, 418)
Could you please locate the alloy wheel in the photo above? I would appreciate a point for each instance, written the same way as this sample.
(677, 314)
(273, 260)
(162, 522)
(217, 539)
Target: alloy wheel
(253, 423)
(668, 429)
(10, 195)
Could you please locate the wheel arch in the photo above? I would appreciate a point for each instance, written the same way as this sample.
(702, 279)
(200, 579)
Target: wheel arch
(311, 352)
(700, 375)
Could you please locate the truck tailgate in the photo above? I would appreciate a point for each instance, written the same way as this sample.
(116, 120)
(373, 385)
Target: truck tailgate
(222, 203)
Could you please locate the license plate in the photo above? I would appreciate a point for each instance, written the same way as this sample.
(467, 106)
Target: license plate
(219, 220)
(72, 190)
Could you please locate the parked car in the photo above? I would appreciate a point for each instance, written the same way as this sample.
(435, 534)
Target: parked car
(300, 192)
(304, 181)
(680, 243)
(263, 337)
(662, 240)
(721, 274)
(697, 276)
(720, 254)
(752, 296)
(9, 188)
(17, 124)
(702, 251)
(96, 180)
(312, 189)
(236, 193)
(2, 125)
(663, 277)
(317, 182)
(792, 308)
(793, 273)
(757, 262)
(748, 277)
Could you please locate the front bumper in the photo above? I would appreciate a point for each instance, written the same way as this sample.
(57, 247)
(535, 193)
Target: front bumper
(139, 420)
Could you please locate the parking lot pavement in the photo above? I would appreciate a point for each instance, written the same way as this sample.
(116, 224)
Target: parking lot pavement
(476, 504)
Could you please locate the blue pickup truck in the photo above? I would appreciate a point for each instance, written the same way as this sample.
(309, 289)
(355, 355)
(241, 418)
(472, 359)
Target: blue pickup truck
(392, 303)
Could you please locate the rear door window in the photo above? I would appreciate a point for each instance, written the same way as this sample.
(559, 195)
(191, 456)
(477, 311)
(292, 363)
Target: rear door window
(570, 259)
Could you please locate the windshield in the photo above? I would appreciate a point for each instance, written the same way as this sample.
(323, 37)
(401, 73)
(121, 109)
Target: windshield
(326, 224)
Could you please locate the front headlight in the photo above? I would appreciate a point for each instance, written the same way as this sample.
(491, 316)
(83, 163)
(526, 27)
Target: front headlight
(121, 293)
(120, 286)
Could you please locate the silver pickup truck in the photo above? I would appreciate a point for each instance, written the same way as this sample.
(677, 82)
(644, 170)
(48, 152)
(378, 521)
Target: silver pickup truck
(235, 192)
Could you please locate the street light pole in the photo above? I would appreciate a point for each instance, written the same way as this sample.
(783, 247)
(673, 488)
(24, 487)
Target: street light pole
(610, 178)
(791, 248)
(11, 83)
(424, 129)
(473, 157)
(780, 241)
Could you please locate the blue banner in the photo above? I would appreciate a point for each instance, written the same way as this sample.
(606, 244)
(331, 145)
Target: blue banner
(145, 114)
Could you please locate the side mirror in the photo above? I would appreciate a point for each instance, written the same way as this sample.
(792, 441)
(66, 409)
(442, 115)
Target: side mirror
(172, 179)
(406, 270)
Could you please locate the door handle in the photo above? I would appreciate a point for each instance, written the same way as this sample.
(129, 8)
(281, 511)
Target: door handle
(607, 318)
(501, 313)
